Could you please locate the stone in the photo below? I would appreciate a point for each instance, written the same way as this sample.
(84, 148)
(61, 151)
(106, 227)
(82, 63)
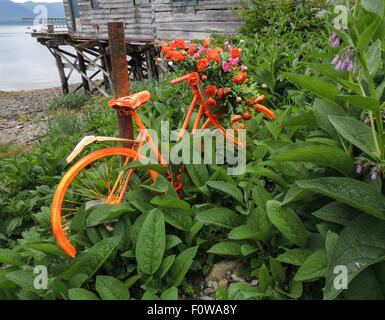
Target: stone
(222, 269)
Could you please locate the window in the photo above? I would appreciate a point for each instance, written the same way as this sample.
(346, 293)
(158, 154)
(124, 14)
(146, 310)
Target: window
(97, 4)
(142, 2)
(183, 3)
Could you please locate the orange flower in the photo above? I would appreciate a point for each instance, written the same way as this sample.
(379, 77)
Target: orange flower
(181, 44)
(206, 43)
(213, 55)
(193, 79)
(165, 48)
(211, 103)
(219, 50)
(203, 64)
(259, 99)
(236, 118)
(246, 116)
(227, 91)
(179, 55)
(191, 50)
(240, 78)
(220, 93)
(235, 53)
(211, 91)
(170, 55)
(204, 77)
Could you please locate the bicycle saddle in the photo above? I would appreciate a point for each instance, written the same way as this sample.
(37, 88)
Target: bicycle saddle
(130, 103)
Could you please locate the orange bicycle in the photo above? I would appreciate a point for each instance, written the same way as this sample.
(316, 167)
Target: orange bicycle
(101, 177)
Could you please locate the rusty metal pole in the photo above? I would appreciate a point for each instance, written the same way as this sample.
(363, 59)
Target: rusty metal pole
(120, 77)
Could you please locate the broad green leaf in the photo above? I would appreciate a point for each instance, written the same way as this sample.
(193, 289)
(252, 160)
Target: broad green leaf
(178, 218)
(264, 279)
(374, 57)
(221, 293)
(322, 109)
(353, 192)
(295, 289)
(322, 154)
(355, 132)
(160, 185)
(230, 248)
(24, 279)
(315, 85)
(366, 103)
(110, 288)
(166, 265)
(336, 212)
(227, 188)
(49, 248)
(199, 175)
(172, 241)
(11, 257)
(81, 294)
(181, 266)
(314, 267)
(303, 118)
(368, 34)
(151, 242)
(89, 261)
(264, 172)
(360, 245)
(330, 242)
(295, 256)
(287, 221)
(107, 212)
(260, 196)
(222, 217)
(244, 291)
(373, 6)
(278, 273)
(170, 294)
(171, 203)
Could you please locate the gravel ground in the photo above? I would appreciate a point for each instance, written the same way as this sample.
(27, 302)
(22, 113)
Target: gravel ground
(22, 117)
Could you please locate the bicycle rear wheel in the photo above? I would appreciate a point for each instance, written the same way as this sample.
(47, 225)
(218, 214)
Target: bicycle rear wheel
(93, 180)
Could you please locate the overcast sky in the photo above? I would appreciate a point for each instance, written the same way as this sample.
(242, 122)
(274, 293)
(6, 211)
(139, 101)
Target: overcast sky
(37, 0)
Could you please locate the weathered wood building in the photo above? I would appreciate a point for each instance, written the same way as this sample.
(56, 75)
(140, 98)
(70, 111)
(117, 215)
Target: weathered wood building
(144, 20)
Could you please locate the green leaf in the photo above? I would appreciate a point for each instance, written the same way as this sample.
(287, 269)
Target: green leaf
(181, 266)
(264, 279)
(160, 185)
(322, 154)
(244, 291)
(81, 294)
(171, 203)
(336, 212)
(368, 34)
(330, 242)
(322, 109)
(88, 262)
(199, 175)
(222, 217)
(373, 6)
(110, 288)
(366, 103)
(221, 293)
(170, 294)
(11, 257)
(178, 218)
(303, 118)
(106, 212)
(353, 192)
(295, 256)
(49, 248)
(228, 189)
(295, 289)
(374, 57)
(287, 221)
(137, 164)
(315, 85)
(314, 267)
(278, 273)
(230, 248)
(151, 242)
(361, 242)
(24, 279)
(166, 265)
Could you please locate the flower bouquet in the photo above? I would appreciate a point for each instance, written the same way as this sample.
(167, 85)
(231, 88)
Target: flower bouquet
(221, 78)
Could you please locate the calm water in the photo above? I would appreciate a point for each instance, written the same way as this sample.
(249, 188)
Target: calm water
(24, 63)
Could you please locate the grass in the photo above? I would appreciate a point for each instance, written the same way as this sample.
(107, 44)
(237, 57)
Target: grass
(73, 101)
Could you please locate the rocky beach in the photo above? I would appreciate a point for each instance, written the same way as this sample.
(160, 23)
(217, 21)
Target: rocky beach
(22, 115)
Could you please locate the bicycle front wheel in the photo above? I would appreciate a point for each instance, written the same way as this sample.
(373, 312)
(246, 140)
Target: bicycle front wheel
(98, 178)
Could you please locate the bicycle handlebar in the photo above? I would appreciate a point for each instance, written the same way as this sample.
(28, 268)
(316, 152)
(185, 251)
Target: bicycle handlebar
(181, 79)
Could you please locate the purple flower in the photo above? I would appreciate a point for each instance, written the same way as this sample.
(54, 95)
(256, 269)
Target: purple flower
(346, 63)
(350, 66)
(367, 121)
(336, 59)
(339, 65)
(336, 43)
(333, 37)
(374, 175)
(359, 169)
(358, 265)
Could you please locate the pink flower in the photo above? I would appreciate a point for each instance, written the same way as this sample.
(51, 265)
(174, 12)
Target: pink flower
(196, 55)
(234, 62)
(226, 66)
(243, 67)
(227, 43)
(230, 47)
(201, 50)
